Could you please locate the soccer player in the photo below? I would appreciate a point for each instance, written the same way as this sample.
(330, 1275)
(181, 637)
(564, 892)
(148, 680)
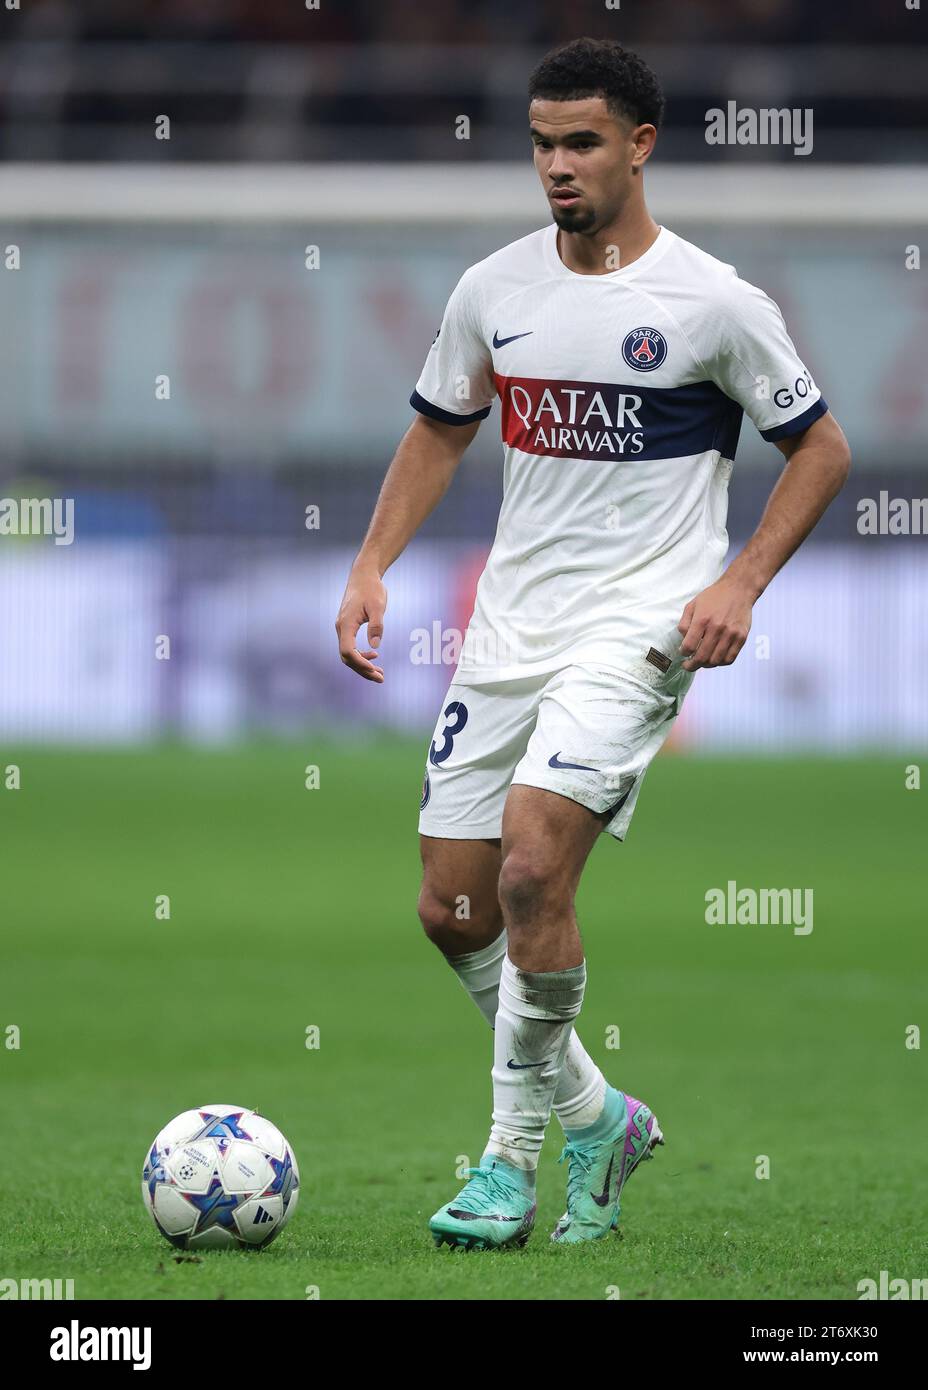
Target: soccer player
(623, 357)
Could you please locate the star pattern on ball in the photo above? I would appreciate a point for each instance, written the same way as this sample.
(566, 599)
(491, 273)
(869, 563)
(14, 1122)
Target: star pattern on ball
(283, 1177)
(222, 1128)
(215, 1206)
(153, 1172)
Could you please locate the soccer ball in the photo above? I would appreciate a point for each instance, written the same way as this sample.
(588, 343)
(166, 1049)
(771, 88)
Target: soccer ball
(219, 1177)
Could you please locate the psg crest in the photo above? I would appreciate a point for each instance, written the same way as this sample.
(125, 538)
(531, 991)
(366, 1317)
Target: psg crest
(644, 349)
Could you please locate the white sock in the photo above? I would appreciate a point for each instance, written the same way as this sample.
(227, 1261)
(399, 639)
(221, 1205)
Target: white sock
(478, 972)
(581, 1086)
(533, 1024)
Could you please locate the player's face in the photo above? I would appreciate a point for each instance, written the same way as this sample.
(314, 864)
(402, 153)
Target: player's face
(584, 158)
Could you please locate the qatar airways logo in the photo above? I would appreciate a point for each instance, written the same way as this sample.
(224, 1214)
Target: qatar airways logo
(577, 419)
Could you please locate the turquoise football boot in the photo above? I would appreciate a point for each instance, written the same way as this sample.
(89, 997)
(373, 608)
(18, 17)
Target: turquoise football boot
(495, 1208)
(600, 1162)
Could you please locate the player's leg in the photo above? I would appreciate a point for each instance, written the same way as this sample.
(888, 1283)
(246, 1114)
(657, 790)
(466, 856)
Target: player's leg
(545, 846)
(595, 735)
(480, 737)
(546, 841)
(458, 901)
(460, 913)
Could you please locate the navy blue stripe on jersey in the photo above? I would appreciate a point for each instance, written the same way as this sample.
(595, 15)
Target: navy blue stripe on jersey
(448, 417)
(798, 422)
(608, 421)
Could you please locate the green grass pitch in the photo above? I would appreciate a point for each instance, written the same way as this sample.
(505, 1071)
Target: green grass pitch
(292, 908)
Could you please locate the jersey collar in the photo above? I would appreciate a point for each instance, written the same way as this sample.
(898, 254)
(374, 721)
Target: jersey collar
(655, 251)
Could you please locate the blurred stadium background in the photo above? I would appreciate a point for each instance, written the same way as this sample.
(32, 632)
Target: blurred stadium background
(334, 129)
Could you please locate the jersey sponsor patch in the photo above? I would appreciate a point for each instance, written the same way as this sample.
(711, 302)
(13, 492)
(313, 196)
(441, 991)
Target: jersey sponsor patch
(601, 420)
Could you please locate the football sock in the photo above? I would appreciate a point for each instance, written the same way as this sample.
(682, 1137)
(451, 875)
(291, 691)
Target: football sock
(613, 1112)
(581, 1089)
(581, 1086)
(478, 972)
(530, 1040)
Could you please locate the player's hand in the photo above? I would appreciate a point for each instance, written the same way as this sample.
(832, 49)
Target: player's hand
(364, 602)
(715, 625)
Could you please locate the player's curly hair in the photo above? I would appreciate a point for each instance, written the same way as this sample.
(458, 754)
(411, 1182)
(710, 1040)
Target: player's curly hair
(600, 68)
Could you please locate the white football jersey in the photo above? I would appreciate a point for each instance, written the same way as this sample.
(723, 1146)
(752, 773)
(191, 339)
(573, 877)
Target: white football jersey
(622, 396)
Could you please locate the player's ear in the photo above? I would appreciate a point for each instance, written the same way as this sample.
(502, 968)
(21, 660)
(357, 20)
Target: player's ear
(644, 138)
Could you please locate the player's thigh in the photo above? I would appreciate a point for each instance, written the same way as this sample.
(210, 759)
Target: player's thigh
(596, 734)
(459, 899)
(546, 841)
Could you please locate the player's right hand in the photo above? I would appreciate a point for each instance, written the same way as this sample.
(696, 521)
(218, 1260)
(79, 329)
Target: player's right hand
(365, 601)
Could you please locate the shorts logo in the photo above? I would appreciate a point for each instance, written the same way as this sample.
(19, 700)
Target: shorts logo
(644, 349)
(426, 792)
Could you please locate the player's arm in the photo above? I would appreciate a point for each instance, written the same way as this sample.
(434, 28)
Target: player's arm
(416, 481)
(716, 622)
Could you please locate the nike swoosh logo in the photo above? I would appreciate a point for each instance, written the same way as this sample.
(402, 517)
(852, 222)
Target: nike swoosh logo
(555, 761)
(499, 342)
(521, 1066)
(601, 1198)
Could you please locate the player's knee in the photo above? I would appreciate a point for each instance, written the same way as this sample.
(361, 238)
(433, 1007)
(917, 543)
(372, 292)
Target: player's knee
(456, 924)
(433, 913)
(439, 920)
(527, 884)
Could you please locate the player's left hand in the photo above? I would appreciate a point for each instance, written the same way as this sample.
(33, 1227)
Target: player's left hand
(715, 625)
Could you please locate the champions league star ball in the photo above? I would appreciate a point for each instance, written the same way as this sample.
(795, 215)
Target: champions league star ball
(219, 1177)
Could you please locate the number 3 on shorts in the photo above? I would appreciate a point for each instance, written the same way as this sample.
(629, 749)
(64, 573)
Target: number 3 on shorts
(456, 713)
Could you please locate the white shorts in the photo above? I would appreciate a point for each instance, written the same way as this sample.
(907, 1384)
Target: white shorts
(586, 732)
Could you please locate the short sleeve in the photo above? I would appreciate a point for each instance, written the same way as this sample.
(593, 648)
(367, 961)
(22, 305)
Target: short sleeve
(456, 384)
(756, 364)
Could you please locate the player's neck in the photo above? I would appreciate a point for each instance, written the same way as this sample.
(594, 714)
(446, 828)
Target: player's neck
(633, 232)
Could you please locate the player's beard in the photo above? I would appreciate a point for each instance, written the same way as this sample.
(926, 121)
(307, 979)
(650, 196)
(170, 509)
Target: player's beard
(574, 219)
